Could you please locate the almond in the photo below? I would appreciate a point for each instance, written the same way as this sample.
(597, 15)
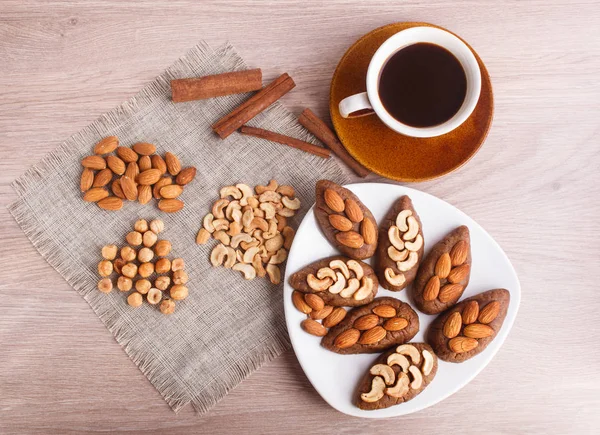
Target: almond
(111, 203)
(373, 335)
(144, 194)
(132, 170)
(149, 177)
(350, 239)
(313, 327)
(353, 211)
(489, 312)
(452, 326)
(144, 163)
(366, 322)
(336, 316)
(164, 181)
(385, 311)
(443, 265)
(93, 162)
(333, 200)
(300, 303)
(450, 293)
(158, 163)
(395, 324)
(87, 179)
(470, 312)
(102, 178)
(127, 154)
(347, 338)
(173, 165)
(339, 222)
(116, 164)
(144, 148)
(171, 191)
(322, 313)
(459, 252)
(432, 288)
(107, 145)
(462, 344)
(95, 194)
(314, 301)
(129, 188)
(477, 330)
(368, 231)
(116, 189)
(185, 176)
(170, 205)
(459, 274)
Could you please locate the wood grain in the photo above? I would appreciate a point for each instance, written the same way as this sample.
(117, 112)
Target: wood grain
(534, 186)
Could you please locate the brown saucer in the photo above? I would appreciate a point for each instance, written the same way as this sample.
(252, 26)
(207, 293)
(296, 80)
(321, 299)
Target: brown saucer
(391, 154)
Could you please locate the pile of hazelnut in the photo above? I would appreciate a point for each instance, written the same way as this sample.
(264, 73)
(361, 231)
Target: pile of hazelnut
(143, 264)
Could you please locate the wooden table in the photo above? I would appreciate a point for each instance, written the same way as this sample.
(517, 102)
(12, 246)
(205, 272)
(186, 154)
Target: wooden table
(534, 186)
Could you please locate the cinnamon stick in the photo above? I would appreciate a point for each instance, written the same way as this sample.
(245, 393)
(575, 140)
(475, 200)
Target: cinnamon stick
(286, 140)
(317, 127)
(200, 88)
(256, 104)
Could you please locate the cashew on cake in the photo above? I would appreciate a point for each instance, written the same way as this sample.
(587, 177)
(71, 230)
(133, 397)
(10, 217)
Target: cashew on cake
(400, 246)
(397, 376)
(467, 328)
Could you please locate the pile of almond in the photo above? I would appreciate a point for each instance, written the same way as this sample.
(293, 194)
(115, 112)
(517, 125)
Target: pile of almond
(450, 270)
(134, 174)
(314, 307)
(143, 264)
(349, 213)
(473, 323)
(251, 226)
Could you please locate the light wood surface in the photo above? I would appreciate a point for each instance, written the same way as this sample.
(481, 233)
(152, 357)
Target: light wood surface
(534, 186)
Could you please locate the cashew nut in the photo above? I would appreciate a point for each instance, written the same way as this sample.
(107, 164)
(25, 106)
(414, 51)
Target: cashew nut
(247, 245)
(376, 393)
(247, 269)
(325, 272)
(230, 191)
(288, 236)
(272, 230)
(427, 362)
(353, 285)
(339, 264)
(221, 224)
(250, 253)
(236, 215)
(269, 196)
(239, 255)
(401, 387)
(413, 228)
(231, 257)
(242, 237)
(286, 190)
(392, 278)
(253, 202)
(355, 267)
(274, 244)
(233, 205)
(246, 193)
(292, 204)
(218, 206)
(273, 185)
(281, 222)
(257, 234)
(222, 237)
(257, 263)
(401, 220)
(340, 282)
(418, 378)
(207, 223)
(259, 223)
(258, 212)
(247, 218)
(396, 255)
(318, 284)
(269, 210)
(234, 228)
(395, 239)
(218, 255)
(385, 371)
(400, 360)
(279, 257)
(415, 245)
(365, 289)
(274, 273)
(405, 265)
(286, 212)
(410, 350)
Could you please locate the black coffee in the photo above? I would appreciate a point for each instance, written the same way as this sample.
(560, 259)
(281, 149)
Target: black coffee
(422, 85)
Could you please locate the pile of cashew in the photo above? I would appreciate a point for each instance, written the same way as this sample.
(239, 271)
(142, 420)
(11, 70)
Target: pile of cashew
(405, 243)
(252, 229)
(336, 279)
(386, 382)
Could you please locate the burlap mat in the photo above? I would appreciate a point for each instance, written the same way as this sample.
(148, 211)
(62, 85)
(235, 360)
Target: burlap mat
(227, 327)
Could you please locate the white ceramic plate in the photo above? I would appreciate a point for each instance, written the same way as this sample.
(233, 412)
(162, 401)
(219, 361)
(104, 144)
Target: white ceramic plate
(334, 376)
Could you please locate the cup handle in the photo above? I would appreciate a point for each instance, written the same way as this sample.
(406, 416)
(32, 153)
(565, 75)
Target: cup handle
(355, 105)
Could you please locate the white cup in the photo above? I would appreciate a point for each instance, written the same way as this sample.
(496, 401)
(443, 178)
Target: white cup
(370, 102)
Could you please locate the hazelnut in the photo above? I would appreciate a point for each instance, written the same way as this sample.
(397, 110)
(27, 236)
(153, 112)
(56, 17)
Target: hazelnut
(141, 225)
(128, 253)
(177, 264)
(143, 285)
(118, 264)
(146, 269)
(109, 252)
(180, 277)
(129, 270)
(167, 306)
(135, 299)
(105, 285)
(145, 255)
(163, 265)
(105, 268)
(154, 296)
(162, 248)
(157, 226)
(149, 238)
(179, 292)
(124, 284)
(134, 238)
(162, 282)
